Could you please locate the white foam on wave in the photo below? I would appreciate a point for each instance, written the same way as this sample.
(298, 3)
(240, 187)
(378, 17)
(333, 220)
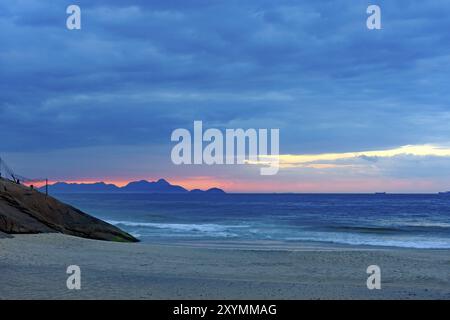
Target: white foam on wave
(356, 239)
(229, 231)
(214, 229)
(426, 224)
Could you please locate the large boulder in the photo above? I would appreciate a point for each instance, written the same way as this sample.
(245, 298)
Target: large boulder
(4, 235)
(23, 210)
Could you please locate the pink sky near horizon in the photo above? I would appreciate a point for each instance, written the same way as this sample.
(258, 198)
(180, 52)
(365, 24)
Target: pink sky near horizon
(352, 186)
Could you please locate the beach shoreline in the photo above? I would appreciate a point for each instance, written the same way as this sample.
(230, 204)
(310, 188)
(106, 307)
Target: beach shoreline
(34, 267)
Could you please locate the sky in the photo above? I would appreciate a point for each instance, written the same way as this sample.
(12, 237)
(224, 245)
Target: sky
(358, 110)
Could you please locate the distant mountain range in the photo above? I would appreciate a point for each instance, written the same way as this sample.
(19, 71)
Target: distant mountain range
(143, 186)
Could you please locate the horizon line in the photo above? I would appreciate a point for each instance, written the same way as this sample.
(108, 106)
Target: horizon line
(123, 183)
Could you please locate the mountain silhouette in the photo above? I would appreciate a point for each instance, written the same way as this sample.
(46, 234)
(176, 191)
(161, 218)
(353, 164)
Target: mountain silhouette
(63, 187)
(142, 186)
(160, 186)
(209, 191)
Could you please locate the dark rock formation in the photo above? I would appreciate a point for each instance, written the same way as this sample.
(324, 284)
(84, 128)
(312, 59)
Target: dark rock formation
(4, 235)
(23, 210)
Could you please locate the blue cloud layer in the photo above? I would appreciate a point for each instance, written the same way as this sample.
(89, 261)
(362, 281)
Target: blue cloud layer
(139, 69)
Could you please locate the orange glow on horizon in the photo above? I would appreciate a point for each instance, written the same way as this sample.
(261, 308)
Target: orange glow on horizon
(248, 186)
(192, 183)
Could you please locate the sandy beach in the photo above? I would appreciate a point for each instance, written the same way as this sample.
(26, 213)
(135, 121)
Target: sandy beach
(34, 267)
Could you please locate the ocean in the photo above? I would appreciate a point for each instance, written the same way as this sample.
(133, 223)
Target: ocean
(409, 221)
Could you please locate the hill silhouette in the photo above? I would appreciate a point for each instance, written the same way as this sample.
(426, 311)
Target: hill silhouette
(142, 186)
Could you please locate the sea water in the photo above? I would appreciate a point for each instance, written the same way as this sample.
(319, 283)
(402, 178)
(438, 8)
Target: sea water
(415, 221)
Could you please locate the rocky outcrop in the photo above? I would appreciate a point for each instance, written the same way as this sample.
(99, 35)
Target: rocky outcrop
(4, 235)
(23, 210)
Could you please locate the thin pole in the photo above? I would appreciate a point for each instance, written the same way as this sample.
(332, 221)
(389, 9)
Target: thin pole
(46, 187)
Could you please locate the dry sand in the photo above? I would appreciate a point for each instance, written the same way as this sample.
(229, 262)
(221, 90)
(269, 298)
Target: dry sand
(34, 266)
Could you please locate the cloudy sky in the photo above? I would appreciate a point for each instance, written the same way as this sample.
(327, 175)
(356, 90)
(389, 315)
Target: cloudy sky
(358, 110)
